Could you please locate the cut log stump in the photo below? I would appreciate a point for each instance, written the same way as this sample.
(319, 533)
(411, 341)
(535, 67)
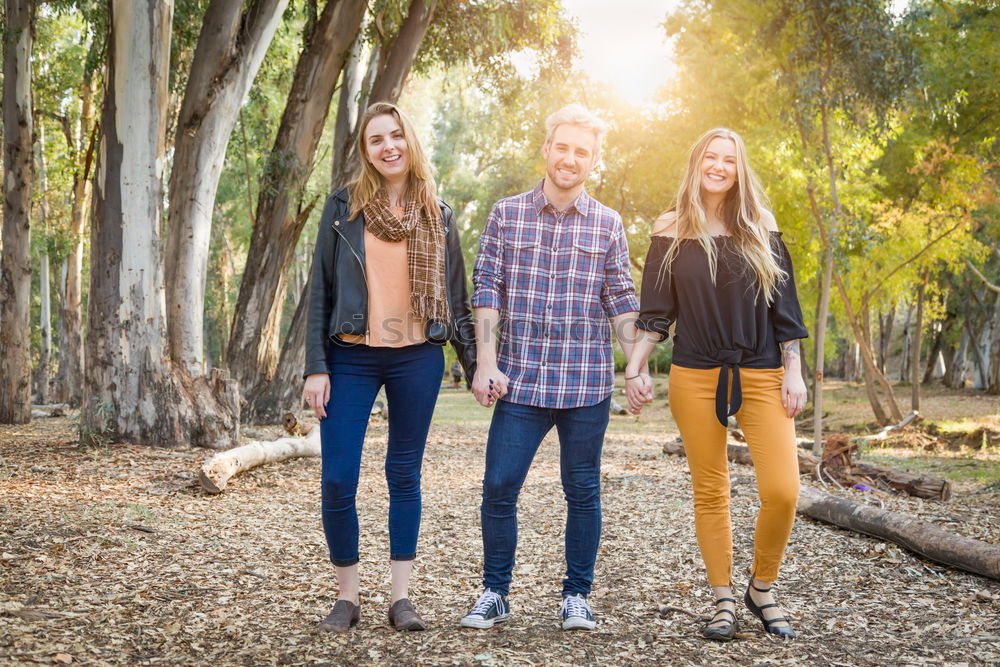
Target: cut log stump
(217, 471)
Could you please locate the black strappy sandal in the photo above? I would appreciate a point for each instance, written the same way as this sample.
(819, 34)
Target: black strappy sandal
(783, 631)
(722, 633)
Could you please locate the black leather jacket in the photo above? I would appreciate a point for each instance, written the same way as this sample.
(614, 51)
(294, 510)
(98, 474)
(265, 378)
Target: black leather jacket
(338, 297)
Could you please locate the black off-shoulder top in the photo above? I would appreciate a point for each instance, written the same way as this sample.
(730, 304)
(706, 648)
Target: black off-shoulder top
(726, 324)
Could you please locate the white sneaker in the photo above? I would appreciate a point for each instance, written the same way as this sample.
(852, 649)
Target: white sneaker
(576, 613)
(491, 608)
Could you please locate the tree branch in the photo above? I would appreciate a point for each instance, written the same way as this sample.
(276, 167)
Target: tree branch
(872, 292)
(979, 274)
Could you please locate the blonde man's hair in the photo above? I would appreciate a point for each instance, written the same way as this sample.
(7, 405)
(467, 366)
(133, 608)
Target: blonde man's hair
(579, 115)
(742, 210)
(367, 181)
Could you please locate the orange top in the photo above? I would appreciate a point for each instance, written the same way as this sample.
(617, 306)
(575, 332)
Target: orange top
(391, 320)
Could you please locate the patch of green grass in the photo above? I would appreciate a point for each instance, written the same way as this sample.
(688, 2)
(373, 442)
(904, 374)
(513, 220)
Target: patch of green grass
(952, 468)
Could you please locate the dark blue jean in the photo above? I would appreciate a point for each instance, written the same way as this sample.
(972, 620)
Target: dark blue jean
(412, 378)
(515, 433)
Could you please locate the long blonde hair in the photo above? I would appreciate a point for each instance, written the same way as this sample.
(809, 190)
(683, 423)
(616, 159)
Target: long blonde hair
(367, 181)
(742, 211)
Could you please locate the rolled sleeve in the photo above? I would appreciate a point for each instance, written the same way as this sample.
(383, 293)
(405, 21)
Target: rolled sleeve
(488, 274)
(659, 301)
(618, 291)
(786, 313)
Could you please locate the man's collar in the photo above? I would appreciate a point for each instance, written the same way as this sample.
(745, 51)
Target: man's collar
(581, 203)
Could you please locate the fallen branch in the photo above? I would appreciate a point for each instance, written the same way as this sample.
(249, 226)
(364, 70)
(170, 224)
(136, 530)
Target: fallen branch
(217, 471)
(919, 486)
(916, 535)
(881, 435)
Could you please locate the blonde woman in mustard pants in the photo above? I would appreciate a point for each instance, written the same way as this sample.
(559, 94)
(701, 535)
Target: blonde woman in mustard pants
(718, 270)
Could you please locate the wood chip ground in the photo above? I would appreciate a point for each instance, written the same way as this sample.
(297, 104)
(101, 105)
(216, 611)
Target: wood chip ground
(113, 555)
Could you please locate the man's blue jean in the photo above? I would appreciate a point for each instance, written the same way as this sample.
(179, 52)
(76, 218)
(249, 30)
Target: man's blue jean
(412, 378)
(515, 433)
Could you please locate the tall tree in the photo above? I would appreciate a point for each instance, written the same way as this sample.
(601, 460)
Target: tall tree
(82, 144)
(230, 50)
(44, 278)
(253, 342)
(132, 390)
(15, 258)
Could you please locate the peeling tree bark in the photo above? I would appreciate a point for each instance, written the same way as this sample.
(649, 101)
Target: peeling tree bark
(230, 49)
(15, 257)
(253, 342)
(132, 391)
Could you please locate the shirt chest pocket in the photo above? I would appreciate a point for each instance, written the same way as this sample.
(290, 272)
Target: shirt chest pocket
(586, 259)
(521, 247)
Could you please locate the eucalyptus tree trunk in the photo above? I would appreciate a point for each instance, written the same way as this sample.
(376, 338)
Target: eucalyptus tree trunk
(870, 389)
(400, 55)
(69, 378)
(230, 49)
(904, 365)
(915, 360)
(15, 257)
(958, 368)
(132, 391)
(348, 111)
(992, 362)
(388, 67)
(253, 341)
(44, 281)
(284, 392)
(885, 326)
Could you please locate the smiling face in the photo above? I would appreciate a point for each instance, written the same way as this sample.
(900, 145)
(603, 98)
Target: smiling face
(718, 166)
(570, 155)
(386, 149)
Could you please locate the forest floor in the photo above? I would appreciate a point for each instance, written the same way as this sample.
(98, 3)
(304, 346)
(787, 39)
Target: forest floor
(113, 555)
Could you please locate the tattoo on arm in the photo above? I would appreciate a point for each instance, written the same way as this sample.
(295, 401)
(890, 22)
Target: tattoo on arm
(790, 351)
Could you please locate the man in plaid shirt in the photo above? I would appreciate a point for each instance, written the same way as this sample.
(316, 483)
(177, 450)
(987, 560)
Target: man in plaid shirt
(552, 270)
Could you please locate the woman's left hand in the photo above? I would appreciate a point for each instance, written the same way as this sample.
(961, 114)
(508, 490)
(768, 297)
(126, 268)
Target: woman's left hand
(793, 393)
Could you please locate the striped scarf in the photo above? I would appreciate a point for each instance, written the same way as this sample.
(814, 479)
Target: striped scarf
(425, 252)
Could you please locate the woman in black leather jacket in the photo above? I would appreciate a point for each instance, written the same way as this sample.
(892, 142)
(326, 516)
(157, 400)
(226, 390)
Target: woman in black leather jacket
(388, 290)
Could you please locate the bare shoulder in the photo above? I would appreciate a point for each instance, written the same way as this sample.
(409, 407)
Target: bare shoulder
(768, 221)
(666, 224)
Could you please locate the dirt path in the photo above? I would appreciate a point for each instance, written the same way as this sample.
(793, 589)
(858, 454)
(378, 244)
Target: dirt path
(114, 556)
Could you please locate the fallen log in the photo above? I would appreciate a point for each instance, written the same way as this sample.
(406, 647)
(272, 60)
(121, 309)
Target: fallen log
(217, 471)
(920, 486)
(920, 537)
(41, 411)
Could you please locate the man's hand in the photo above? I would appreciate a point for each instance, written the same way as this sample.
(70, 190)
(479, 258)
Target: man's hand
(317, 393)
(639, 391)
(489, 385)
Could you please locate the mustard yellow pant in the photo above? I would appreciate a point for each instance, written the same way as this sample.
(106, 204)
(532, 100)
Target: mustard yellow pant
(770, 435)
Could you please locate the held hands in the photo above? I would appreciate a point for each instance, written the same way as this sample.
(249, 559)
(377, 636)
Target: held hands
(489, 385)
(793, 393)
(639, 390)
(317, 393)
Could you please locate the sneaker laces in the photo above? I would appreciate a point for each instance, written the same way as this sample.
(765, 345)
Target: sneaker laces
(576, 605)
(485, 601)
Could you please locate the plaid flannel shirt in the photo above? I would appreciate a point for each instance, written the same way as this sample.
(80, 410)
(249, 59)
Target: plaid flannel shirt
(556, 277)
